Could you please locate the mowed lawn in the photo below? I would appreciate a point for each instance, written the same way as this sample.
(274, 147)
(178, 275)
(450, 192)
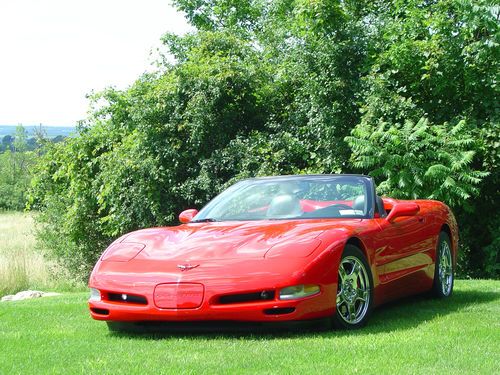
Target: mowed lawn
(419, 335)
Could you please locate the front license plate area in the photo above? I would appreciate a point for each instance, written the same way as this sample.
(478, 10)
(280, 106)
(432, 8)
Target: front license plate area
(178, 295)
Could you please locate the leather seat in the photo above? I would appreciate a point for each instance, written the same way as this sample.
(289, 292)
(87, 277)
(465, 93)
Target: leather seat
(284, 206)
(359, 203)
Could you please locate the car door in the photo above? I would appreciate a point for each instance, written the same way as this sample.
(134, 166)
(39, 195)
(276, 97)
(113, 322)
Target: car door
(402, 247)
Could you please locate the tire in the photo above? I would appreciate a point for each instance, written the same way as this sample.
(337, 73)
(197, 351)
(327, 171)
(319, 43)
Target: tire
(354, 290)
(443, 271)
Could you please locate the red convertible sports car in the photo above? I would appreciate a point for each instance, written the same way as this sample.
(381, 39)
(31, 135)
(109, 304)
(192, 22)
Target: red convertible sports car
(275, 249)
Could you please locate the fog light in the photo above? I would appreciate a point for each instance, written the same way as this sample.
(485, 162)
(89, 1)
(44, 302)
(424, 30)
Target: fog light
(299, 291)
(95, 295)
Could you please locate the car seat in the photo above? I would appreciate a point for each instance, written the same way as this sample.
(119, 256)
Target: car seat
(284, 206)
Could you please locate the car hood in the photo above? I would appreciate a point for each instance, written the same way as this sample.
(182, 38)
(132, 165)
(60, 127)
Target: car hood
(229, 240)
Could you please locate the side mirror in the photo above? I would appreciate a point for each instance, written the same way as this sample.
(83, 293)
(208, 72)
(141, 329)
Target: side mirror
(403, 209)
(187, 215)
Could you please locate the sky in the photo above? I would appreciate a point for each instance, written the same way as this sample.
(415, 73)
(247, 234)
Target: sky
(54, 52)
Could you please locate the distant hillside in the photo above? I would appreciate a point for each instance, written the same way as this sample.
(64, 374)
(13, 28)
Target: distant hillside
(50, 131)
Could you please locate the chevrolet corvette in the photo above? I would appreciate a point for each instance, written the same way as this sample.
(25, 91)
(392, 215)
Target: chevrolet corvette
(279, 249)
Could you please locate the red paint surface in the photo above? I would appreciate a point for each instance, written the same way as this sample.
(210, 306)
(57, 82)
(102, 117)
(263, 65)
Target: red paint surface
(252, 256)
(178, 295)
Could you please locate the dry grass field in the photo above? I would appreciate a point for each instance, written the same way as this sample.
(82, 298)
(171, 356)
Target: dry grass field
(22, 265)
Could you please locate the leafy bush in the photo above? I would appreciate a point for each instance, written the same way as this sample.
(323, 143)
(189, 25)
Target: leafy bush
(419, 160)
(435, 64)
(15, 172)
(276, 87)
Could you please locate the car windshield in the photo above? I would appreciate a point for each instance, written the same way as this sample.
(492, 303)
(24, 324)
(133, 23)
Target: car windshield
(291, 197)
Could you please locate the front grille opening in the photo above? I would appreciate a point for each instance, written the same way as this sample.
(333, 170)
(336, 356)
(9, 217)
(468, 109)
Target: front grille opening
(127, 298)
(279, 310)
(99, 311)
(265, 295)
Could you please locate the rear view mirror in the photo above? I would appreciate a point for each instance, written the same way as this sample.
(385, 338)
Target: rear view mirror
(187, 215)
(401, 209)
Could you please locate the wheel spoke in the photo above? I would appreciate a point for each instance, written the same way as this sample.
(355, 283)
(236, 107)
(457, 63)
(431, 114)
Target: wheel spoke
(441, 273)
(340, 299)
(361, 295)
(445, 268)
(355, 271)
(353, 293)
(342, 273)
(447, 271)
(351, 311)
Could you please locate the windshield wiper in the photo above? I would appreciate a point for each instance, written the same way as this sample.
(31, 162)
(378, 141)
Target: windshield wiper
(206, 220)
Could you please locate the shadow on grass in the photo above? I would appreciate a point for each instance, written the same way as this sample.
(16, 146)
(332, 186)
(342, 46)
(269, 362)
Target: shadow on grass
(410, 312)
(400, 315)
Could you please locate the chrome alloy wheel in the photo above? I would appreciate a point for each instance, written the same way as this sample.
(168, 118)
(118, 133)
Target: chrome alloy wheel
(445, 270)
(353, 293)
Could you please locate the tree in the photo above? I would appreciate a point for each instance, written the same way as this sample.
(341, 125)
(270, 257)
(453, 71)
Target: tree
(276, 87)
(14, 172)
(7, 141)
(438, 60)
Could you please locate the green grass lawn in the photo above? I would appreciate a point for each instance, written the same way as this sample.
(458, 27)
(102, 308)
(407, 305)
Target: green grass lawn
(419, 335)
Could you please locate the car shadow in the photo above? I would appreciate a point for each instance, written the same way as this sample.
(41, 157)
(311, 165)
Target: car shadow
(400, 315)
(410, 312)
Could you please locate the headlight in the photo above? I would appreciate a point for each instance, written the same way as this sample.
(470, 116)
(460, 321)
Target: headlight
(299, 291)
(95, 295)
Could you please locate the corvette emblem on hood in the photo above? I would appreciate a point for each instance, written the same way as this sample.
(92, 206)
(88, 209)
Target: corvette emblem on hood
(187, 267)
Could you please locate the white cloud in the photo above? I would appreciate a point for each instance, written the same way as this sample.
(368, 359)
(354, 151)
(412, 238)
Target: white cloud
(54, 52)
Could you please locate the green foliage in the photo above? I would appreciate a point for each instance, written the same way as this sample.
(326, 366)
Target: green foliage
(15, 172)
(404, 90)
(437, 63)
(137, 160)
(214, 14)
(419, 160)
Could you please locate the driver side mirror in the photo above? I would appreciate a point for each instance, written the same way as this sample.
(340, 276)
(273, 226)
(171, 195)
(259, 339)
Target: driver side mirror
(187, 215)
(403, 209)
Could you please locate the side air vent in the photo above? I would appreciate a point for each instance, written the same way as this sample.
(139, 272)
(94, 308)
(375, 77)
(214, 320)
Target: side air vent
(265, 295)
(99, 311)
(127, 298)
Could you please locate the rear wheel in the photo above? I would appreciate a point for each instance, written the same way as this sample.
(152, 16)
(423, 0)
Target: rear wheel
(354, 290)
(443, 273)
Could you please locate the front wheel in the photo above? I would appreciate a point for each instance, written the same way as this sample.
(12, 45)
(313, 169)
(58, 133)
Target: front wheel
(443, 273)
(354, 290)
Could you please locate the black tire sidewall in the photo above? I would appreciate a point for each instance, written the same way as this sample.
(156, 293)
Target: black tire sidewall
(337, 321)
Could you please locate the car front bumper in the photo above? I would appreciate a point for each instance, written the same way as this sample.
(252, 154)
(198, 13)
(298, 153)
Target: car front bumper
(210, 308)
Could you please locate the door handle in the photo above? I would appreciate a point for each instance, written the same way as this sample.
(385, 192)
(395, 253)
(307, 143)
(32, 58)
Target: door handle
(421, 220)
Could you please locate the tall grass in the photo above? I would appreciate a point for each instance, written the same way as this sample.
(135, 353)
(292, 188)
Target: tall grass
(22, 265)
